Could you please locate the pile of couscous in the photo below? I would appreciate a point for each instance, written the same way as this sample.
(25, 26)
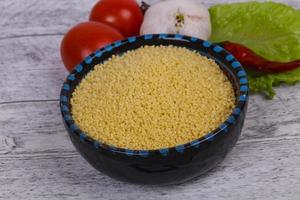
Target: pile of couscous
(153, 97)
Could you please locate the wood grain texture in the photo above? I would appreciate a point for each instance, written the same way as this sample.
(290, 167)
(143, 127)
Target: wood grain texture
(33, 68)
(36, 127)
(38, 161)
(41, 17)
(39, 128)
(30, 37)
(249, 172)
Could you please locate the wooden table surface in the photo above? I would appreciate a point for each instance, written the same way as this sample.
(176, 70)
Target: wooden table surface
(37, 160)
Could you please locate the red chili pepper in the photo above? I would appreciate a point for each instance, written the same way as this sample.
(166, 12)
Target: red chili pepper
(250, 60)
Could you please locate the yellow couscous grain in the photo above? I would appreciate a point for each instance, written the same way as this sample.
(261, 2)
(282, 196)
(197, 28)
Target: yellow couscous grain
(153, 97)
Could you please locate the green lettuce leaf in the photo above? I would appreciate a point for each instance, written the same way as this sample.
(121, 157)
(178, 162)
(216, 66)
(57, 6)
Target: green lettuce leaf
(270, 29)
(265, 83)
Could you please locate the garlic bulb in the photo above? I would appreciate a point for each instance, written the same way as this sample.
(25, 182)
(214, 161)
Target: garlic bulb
(186, 17)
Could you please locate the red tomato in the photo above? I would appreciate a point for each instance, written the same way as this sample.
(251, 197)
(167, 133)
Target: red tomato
(85, 38)
(124, 15)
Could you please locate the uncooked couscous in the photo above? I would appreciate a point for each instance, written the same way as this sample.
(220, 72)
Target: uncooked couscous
(152, 97)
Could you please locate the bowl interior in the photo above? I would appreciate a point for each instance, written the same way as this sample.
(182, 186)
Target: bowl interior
(229, 65)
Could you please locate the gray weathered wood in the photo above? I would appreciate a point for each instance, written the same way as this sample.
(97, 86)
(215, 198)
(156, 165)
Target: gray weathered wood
(41, 17)
(30, 37)
(31, 68)
(32, 127)
(37, 160)
(262, 170)
(36, 126)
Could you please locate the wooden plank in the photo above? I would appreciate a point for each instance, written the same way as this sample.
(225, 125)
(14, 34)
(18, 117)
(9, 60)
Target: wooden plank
(31, 69)
(37, 160)
(40, 17)
(274, 118)
(36, 127)
(31, 128)
(256, 170)
(43, 17)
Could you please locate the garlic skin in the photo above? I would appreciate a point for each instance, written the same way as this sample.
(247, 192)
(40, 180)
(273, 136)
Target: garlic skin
(186, 17)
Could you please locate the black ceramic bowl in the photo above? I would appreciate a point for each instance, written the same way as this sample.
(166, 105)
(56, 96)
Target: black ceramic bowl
(169, 165)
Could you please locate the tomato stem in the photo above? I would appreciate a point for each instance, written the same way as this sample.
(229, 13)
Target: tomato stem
(144, 7)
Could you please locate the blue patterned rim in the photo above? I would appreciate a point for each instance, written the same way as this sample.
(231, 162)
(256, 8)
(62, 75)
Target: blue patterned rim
(235, 67)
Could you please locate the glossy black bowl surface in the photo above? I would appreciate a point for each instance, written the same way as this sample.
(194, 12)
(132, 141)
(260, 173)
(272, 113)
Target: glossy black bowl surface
(169, 165)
